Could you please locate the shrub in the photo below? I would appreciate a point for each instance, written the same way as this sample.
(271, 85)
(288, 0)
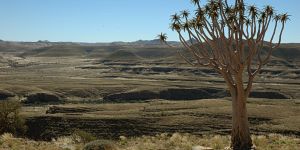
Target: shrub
(83, 136)
(10, 120)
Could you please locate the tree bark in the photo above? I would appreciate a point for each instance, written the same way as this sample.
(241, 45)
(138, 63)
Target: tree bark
(240, 136)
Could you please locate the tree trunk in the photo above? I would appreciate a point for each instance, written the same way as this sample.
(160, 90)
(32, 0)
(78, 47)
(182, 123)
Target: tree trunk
(240, 136)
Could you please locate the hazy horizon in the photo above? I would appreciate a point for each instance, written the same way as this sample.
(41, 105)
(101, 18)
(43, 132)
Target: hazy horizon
(106, 21)
(108, 41)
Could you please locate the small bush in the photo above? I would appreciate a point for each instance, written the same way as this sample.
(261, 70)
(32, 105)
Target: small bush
(80, 136)
(10, 120)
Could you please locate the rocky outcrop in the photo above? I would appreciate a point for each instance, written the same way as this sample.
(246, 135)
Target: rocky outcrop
(40, 98)
(4, 94)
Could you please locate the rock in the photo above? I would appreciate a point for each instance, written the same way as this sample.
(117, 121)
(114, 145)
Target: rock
(123, 138)
(100, 145)
(201, 148)
(42, 98)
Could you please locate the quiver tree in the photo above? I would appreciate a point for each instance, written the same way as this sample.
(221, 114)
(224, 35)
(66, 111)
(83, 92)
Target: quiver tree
(236, 41)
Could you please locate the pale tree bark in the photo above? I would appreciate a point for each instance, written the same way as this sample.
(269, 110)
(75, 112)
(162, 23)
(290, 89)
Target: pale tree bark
(240, 136)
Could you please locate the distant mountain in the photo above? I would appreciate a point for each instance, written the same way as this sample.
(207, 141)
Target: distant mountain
(12, 46)
(154, 42)
(144, 48)
(45, 43)
(147, 42)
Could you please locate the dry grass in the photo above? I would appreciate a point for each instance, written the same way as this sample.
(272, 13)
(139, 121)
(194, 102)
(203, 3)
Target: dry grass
(175, 141)
(186, 142)
(8, 142)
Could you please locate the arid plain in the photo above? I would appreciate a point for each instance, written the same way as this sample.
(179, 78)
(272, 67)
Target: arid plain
(114, 90)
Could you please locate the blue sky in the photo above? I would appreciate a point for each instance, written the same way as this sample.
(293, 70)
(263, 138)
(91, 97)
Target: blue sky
(108, 20)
